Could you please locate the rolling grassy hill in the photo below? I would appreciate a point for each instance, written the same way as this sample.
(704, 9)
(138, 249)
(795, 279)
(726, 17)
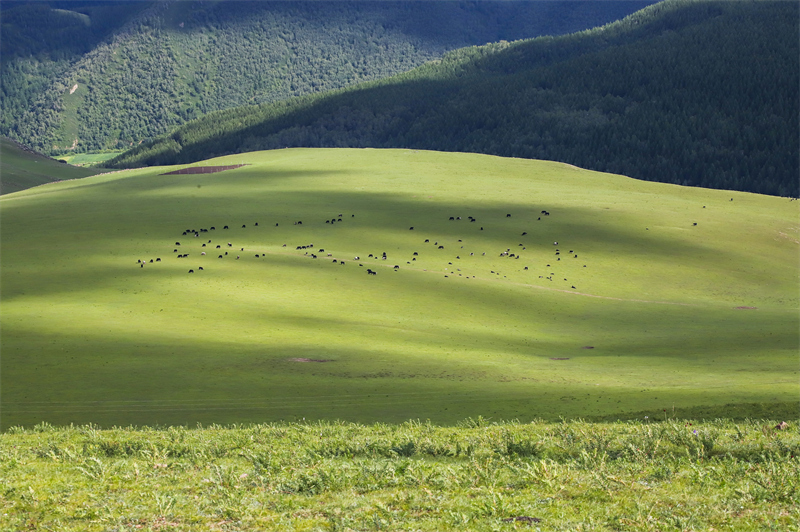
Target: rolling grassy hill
(22, 168)
(628, 298)
(700, 93)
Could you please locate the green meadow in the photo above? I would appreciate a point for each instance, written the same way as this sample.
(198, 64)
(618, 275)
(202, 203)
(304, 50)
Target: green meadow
(20, 169)
(628, 299)
(89, 159)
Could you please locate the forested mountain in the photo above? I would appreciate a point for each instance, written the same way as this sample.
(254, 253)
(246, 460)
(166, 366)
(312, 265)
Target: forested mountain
(689, 92)
(90, 75)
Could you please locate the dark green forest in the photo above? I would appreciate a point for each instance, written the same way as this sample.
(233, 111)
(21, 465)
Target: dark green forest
(690, 92)
(140, 69)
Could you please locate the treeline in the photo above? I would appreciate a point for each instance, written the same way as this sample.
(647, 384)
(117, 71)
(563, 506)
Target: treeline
(142, 69)
(688, 92)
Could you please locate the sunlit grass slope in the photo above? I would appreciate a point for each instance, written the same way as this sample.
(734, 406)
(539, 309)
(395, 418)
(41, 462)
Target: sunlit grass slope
(20, 169)
(634, 309)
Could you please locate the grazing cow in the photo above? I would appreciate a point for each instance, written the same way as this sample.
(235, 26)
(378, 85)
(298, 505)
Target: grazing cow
(555, 243)
(481, 228)
(220, 256)
(202, 253)
(330, 254)
(138, 260)
(174, 250)
(415, 253)
(694, 223)
(441, 247)
(341, 262)
(241, 249)
(415, 258)
(141, 265)
(226, 253)
(373, 273)
(370, 255)
(426, 240)
(230, 245)
(177, 243)
(356, 258)
(204, 245)
(213, 228)
(191, 271)
(508, 216)
(458, 217)
(472, 220)
(256, 224)
(327, 221)
(218, 246)
(158, 259)
(225, 227)
(184, 233)
(396, 267)
(452, 218)
(237, 257)
(411, 228)
(257, 255)
(321, 250)
(526, 267)
(243, 226)
(200, 268)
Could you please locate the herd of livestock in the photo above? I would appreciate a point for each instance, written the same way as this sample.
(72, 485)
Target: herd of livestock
(198, 243)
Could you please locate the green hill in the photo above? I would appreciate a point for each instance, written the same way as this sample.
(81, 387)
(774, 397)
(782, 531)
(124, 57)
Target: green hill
(688, 92)
(82, 75)
(21, 168)
(627, 299)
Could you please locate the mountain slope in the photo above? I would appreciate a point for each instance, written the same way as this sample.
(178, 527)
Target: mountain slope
(697, 93)
(89, 75)
(22, 168)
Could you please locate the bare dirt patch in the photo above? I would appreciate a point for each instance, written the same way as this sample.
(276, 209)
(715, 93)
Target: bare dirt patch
(309, 360)
(204, 169)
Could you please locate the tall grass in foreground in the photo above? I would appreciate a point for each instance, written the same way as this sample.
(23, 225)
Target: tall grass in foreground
(667, 475)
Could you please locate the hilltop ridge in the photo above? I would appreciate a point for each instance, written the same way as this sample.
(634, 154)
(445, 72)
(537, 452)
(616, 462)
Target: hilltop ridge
(689, 92)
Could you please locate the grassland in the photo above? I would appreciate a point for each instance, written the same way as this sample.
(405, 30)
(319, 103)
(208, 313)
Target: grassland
(667, 475)
(655, 313)
(21, 169)
(89, 159)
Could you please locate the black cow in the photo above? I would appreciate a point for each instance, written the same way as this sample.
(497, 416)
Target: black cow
(191, 271)
(256, 224)
(230, 245)
(452, 218)
(174, 250)
(396, 267)
(523, 234)
(508, 216)
(151, 260)
(225, 227)
(213, 228)
(218, 246)
(204, 245)
(341, 262)
(158, 259)
(441, 247)
(141, 265)
(410, 228)
(177, 243)
(415, 253)
(426, 240)
(220, 256)
(257, 255)
(526, 267)
(243, 226)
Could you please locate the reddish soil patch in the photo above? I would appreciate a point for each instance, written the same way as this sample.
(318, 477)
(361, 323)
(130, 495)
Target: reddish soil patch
(308, 360)
(204, 169)
(746, 308)
(559, 358)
